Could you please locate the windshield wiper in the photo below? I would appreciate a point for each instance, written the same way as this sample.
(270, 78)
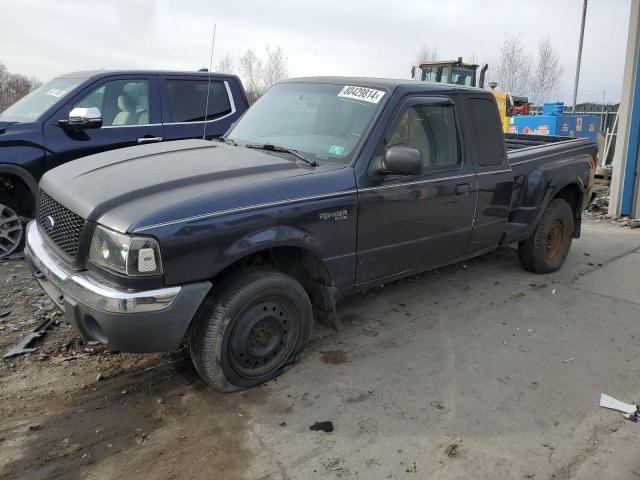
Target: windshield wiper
(227, 141)
(275, 148)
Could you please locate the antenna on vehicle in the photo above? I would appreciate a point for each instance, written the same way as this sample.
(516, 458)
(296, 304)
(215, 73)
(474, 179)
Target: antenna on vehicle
(206, 108)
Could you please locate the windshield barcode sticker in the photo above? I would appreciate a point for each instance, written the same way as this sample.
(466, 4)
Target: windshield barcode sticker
(361, 93)
(56, 92)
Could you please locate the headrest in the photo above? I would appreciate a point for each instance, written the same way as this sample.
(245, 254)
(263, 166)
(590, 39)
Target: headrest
(126, 103)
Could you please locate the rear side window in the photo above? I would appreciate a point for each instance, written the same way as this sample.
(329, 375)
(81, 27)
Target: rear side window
(188, 100)
(488, 137)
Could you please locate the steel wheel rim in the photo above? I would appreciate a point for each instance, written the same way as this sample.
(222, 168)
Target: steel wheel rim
(10, 231)
(263, 337)
(555, 239)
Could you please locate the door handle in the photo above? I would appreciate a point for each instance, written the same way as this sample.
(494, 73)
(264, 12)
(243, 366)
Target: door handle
(149, 139)
(463, 188)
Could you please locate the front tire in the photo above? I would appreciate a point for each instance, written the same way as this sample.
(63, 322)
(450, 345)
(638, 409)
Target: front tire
(11, 228)
(257, 323)
(546, 250)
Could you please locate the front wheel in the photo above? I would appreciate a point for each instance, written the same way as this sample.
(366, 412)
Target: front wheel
(11, 229)
(546, 250)
(251, 328)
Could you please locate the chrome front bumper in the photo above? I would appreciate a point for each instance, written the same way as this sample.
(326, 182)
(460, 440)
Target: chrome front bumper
(86, 289)
(127, 320)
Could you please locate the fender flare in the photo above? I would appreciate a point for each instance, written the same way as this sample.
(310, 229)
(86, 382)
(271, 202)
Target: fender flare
(22, 174)
(269, 238)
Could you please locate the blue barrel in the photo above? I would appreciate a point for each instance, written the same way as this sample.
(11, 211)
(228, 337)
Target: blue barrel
(555, 108)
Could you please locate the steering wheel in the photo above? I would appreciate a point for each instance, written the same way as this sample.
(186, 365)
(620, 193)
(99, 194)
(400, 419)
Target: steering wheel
(357, 135)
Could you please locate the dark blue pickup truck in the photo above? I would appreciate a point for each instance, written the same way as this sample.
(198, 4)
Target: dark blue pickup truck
(83, 113)
(325, 187)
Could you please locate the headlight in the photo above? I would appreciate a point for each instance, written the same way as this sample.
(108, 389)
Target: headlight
(120, 253)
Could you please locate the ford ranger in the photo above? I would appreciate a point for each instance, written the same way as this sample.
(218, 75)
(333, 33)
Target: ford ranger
(325, 187)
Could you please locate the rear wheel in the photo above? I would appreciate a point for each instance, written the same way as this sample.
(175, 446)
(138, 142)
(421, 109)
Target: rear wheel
(546, 250)
(11, 229)
(250, 329)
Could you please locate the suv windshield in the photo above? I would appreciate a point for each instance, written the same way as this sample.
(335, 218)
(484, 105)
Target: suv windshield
(32, 106)
(320, 121)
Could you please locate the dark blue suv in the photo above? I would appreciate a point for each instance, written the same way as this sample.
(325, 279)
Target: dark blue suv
(83, 113)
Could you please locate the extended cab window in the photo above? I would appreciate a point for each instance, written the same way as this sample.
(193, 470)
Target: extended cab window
(430, 129)
(188, 100)
(487, 134)
(121, 102)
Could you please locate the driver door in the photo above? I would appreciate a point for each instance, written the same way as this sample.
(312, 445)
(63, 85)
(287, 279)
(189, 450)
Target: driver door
(413, 222)
(130, 116)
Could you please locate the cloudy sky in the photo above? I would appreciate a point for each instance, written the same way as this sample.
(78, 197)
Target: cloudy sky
(329, 37)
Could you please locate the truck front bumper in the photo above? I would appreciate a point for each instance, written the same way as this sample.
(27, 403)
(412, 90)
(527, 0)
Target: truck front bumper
(127, 320)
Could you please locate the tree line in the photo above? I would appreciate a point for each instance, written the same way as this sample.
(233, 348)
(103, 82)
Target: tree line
(14, 86)
(516, 70)
(257, 73)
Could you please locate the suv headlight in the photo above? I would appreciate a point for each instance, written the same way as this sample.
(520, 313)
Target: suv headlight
(125, 254)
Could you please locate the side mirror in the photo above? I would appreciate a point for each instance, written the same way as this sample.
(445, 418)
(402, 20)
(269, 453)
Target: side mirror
(83, 117)
(401, 160)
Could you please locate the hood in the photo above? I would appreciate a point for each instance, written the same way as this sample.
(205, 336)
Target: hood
(3, 126)
(158, 182)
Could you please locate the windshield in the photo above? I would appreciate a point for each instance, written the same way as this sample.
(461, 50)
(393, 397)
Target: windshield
(320, 121)
(32, 106)
(463, 76)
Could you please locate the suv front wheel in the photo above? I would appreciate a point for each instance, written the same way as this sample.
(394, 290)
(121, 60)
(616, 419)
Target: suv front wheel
(247, 331)
(11, 228)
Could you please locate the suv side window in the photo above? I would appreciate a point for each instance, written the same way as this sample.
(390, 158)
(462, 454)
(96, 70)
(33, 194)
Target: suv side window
(121, 102)
(188, 100)
(431, 129)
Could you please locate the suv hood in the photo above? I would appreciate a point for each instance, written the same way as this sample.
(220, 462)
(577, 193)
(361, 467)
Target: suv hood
(153, 183)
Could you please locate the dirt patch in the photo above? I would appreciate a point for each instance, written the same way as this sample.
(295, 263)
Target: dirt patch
(334, 357)
(74, 409)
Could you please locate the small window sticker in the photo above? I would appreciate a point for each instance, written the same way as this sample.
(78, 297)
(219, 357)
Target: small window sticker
(336, 150)
(56, 92)
(370, 95)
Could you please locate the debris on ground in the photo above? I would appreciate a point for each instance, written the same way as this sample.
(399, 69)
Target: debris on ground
(629, 411)
(452, 450)
(438, 405)
(569, 360)
(23, 346)
(325, 426)
(412, 468)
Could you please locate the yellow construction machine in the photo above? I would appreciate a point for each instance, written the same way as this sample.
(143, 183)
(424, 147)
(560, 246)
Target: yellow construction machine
(457, 72)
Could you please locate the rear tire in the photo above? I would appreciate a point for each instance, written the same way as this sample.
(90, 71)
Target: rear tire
(546, 250)
(250, 329)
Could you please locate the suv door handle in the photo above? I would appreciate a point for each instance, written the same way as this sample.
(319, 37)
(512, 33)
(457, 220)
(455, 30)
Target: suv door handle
(463, 188)
(149, 139)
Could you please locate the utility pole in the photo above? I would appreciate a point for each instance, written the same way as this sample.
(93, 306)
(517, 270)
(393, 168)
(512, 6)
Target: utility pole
(575, 87)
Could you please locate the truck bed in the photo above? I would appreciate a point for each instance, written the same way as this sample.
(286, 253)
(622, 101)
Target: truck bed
(541, 160)
(517, 142)
(527, 148)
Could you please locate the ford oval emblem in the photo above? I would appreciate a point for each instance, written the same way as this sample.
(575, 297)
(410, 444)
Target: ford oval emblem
(48, 223)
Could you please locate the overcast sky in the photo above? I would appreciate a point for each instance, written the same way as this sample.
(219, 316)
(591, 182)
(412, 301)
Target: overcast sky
(328, 37)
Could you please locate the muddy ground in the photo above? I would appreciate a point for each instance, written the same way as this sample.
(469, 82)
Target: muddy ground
(478, 370)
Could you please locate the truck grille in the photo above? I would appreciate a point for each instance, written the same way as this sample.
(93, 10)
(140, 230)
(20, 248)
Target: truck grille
(61, 225)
